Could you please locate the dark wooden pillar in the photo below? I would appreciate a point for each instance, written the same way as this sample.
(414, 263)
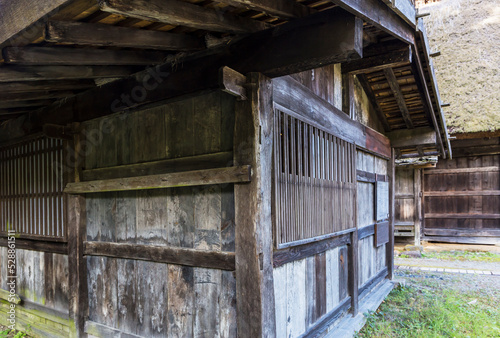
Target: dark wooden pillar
(392, 195)
(76, 223)
(353, 272)
(254, 236)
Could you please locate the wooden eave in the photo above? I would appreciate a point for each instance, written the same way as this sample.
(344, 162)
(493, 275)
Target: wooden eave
(50, 62)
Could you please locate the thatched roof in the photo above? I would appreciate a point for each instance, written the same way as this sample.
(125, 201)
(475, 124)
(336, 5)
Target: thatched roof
(467, 33)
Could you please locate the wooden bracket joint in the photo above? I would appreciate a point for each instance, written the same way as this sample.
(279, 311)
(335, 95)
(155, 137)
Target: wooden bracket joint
(233, 82)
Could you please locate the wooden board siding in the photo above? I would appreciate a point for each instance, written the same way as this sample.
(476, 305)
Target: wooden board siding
(408, 203)
(461, 199)
(156, 299)
(308, 290)
(371, 259)
(43, 287)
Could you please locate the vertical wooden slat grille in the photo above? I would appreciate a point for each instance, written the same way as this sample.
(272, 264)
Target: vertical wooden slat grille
(313, 181)
(31, 189)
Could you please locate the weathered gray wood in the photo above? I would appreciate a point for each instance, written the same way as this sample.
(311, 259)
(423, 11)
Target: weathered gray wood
(363, 80)
(353, 267)
(376, 63)
(281, 299)
(239, 174)
(18, 15)
(477, 151)
(418, 196)
(461, 170)
(411, 138)
(296, 299)
(94, 34)
(463, 240)
(254, 233)
(343, 273)
(161, 254)
(180, 13)
(43, 73)
(382, 200)
(332, 279)
(100, 330)
(371, 283)
(463, 232)
(380, 15)
(463, 216)
(66, 56)
(391, 171)
(463, 193)
(54, 247)
(233, 82)
(381, 233)
(284, 256)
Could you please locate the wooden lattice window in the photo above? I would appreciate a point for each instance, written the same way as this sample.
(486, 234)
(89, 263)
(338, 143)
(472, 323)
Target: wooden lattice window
(31, 189)
(314, 182)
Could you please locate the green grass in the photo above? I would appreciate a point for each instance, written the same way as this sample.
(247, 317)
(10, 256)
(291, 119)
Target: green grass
(427, 311)
(462, 256)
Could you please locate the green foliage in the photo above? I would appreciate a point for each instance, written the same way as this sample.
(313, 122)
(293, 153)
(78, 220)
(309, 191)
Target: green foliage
(463, 256)
(423, 312)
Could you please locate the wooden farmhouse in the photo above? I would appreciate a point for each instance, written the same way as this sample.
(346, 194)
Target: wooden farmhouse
(459, 199)
(192, 168)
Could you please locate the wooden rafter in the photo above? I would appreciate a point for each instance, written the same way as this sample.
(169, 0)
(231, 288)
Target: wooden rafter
(373, 100)
(281, 8)
(181, 13)
(78, 57)
(393, 83)
(36, 86)
(380, 62)
(41, 73)
(94, 34)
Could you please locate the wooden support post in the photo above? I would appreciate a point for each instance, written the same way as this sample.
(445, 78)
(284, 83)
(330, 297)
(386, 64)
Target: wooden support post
(254, 236)
(417, 188)
(353, 272)
(348, 95)
(77, 231)
(392, 206)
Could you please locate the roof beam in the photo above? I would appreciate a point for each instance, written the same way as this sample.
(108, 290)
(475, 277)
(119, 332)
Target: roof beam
(11, 97)
(369, 93)
(41, 73)
(36, 86)
(393, 83)
(66, 56)
(181, 13)
(370, 64)
(412, 138)
(281, 8)
(381, 16)
(16, 16)
(23, 104)
(332, 36)
(95, 34)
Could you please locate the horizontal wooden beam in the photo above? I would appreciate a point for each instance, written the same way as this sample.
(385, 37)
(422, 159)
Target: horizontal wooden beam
(37, 86)
(461, 170)
(463, 233)
(38, 245)
(464, 216)
(24, 104)
(380, 15)
(43, 73)
(80, 57)
(100, 330)
(161, 254)
(12, 97)
(233, 82)
(372, 282)
(477, 151)
(95, 34)
(208, 161)
(366, 231)
(365, 176)
(239, 174)
(462, 193)
(281, 8)
(181, 13)
(412, 138)
(371, 64)
(291, 254)
(326, 321)
(287, 49)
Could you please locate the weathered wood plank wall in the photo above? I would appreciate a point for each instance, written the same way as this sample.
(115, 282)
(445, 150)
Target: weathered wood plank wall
(43, 287)
(408, 203)
(155, 299)
(462, 195)
(371, 259)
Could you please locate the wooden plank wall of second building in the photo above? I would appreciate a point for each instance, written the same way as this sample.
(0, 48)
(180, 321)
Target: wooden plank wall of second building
(149, 298)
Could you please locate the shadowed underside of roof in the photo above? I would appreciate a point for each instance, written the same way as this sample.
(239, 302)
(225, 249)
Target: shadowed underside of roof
(466, 32)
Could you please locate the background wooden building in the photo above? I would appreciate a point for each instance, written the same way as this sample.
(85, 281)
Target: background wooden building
(459, 200)
(240, 185)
